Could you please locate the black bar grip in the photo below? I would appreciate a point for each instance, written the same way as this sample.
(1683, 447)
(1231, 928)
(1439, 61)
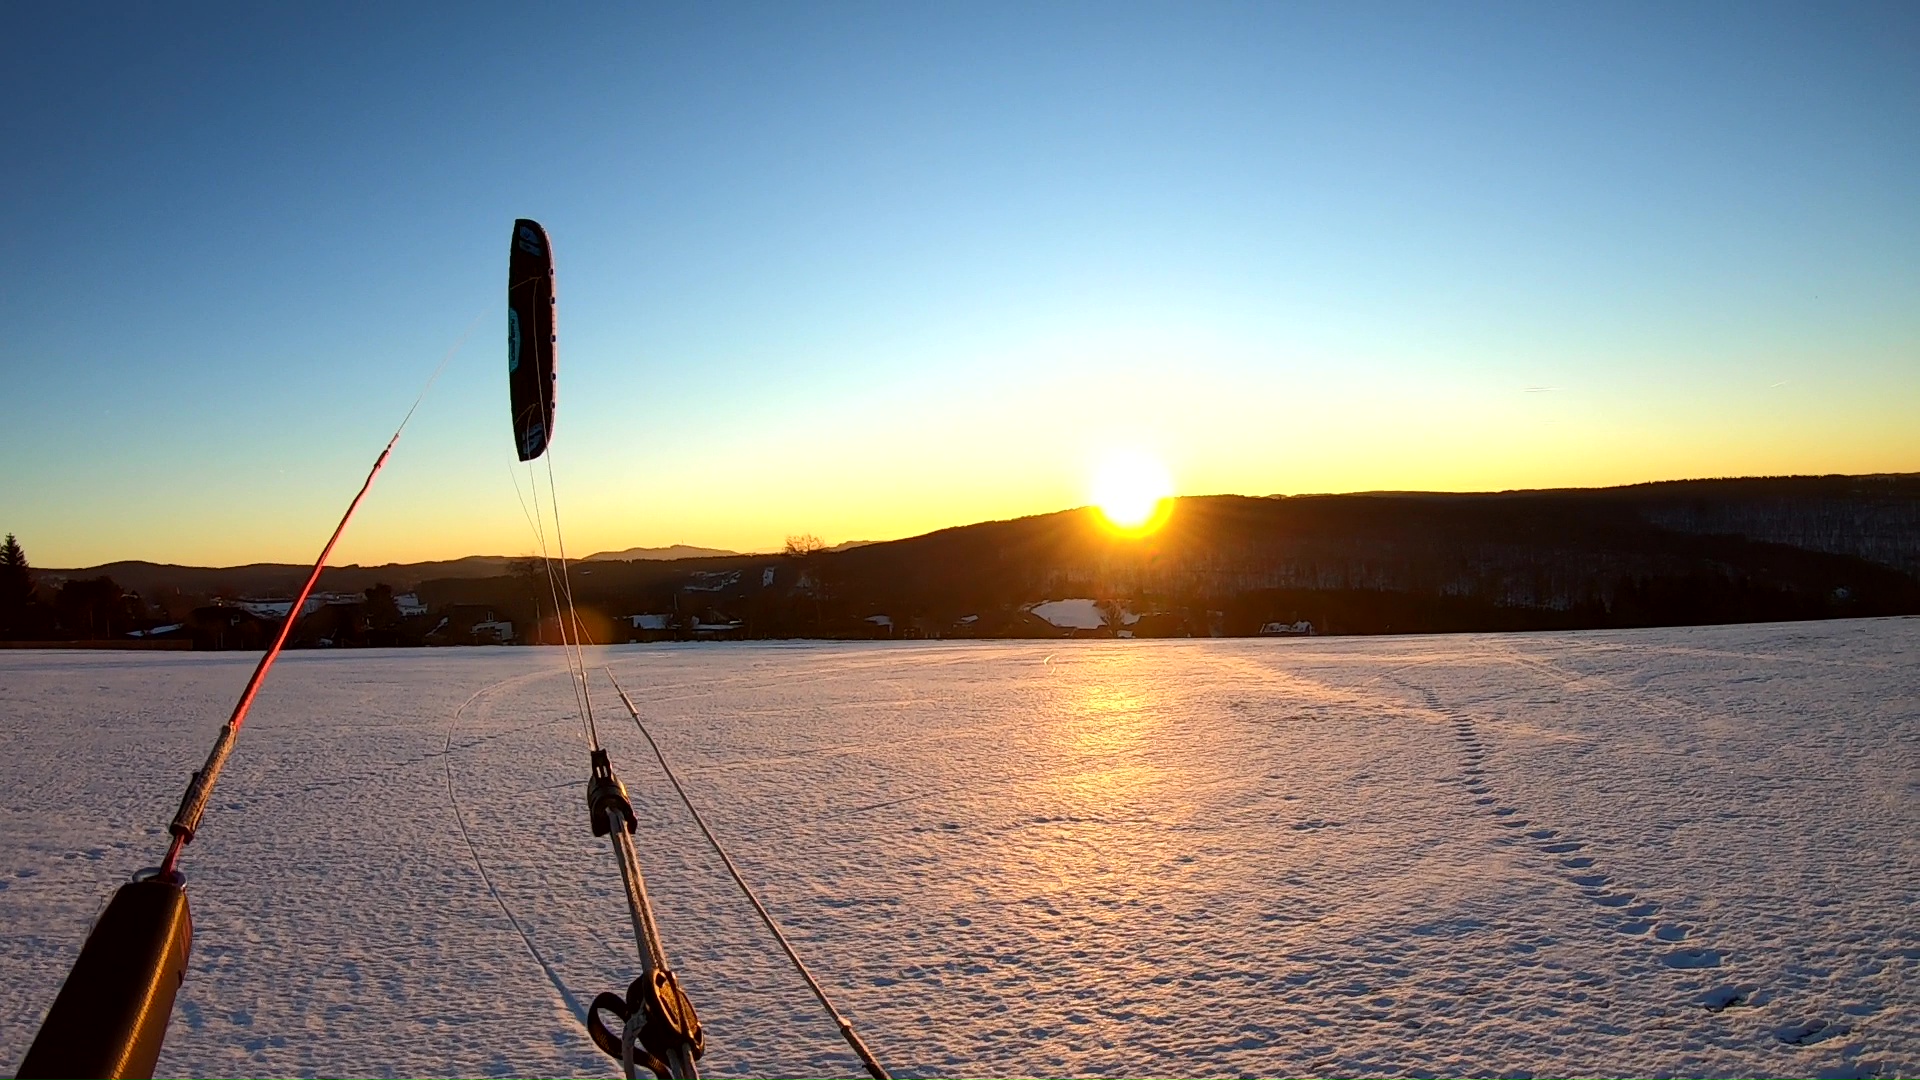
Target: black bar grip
(111, 1016)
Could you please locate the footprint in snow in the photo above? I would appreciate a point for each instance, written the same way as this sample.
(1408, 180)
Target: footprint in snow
(1638, 912)
(1721, 998)
(1692, 958)
(1638, 915)
(1808, 1032)
(1863, 1071)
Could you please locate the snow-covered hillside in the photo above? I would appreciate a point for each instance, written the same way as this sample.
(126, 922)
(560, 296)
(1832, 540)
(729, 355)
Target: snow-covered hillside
(1690, 851)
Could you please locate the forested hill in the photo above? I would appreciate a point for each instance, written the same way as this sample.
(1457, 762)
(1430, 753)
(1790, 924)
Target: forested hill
(1874, 517)
(1696, 551)
(1699, 551)
(1652, 554)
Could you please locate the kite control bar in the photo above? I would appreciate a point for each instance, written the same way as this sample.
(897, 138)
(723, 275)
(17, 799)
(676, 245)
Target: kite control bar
(658, 1026)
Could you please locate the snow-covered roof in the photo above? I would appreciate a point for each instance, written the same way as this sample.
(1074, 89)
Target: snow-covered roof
(1077, 614)
(277, 609)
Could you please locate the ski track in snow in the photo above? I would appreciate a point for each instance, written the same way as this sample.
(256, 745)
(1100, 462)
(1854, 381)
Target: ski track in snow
(1687, 851)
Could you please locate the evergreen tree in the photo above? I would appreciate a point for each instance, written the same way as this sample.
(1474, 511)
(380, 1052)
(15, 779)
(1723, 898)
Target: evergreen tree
(16, 590)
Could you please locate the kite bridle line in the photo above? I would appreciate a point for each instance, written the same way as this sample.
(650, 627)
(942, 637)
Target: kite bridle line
(655, 1022)
(658, 1027)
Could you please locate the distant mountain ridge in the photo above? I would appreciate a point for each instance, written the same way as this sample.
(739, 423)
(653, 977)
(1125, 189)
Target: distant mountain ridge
(264, 579)
(267, 578)
(672, 551)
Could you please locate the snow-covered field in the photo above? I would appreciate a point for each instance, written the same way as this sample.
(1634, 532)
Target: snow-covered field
(1690, 851)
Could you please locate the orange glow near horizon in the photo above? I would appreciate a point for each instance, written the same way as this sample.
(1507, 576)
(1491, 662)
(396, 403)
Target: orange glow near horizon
(1133, 491)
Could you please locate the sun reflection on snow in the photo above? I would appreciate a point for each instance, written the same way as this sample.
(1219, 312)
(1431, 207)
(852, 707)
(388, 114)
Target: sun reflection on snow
(1109, 720)
(1104, 730)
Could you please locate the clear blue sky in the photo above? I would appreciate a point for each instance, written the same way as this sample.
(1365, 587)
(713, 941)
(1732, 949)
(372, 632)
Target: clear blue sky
(864, 270)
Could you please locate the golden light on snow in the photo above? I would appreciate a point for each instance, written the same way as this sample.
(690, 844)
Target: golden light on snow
(1103, 725)
(1133, 490)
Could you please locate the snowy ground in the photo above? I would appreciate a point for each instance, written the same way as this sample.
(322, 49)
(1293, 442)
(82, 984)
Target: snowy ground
(1687, 851)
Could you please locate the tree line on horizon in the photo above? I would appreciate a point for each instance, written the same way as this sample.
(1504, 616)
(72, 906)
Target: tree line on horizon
(97, 609)
(1649, 555)
(83, 609)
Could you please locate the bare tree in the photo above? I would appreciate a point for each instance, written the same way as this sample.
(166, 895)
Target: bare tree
(806, 550)
(804, 545)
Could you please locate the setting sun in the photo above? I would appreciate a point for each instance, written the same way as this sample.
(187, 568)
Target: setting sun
(1133, 490)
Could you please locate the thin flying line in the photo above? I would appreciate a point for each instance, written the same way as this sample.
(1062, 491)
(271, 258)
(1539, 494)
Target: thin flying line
(553, 590)
(460, 818)
(867, 1059)
(435, 377)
